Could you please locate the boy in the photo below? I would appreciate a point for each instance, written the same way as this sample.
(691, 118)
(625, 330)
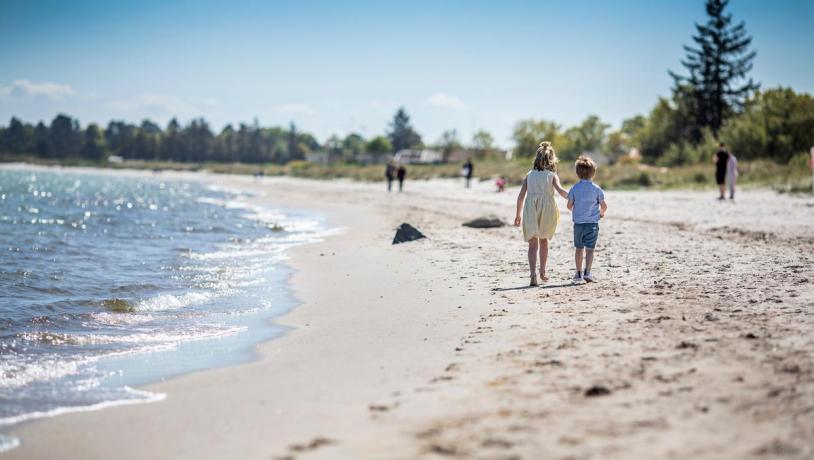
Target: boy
(586, 201)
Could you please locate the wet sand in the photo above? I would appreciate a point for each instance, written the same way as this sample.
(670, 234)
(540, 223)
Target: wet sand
(697, 341)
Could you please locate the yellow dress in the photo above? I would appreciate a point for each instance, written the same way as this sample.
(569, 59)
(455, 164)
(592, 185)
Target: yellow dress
(540, 212)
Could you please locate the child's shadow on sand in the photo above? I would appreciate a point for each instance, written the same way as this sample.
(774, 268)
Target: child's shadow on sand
(543, 286)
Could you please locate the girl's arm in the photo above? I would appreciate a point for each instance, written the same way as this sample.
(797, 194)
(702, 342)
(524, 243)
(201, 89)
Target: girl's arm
(563, 193)
(520, 197)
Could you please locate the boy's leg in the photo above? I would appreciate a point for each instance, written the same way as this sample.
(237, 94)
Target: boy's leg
(543, 256)
(578, 255)
(589, 259)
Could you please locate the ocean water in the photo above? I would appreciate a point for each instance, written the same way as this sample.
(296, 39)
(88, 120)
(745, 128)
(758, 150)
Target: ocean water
(108, 282)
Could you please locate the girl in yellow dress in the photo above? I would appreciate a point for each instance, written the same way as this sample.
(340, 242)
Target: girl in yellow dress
(539, 210)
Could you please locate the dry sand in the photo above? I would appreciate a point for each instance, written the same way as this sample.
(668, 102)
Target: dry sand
(696, 342)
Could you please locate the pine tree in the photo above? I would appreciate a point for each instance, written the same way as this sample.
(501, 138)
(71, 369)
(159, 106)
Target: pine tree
(718, 68)
(402, 135)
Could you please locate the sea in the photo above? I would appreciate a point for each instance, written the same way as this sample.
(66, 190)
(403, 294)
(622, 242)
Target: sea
(112, 281)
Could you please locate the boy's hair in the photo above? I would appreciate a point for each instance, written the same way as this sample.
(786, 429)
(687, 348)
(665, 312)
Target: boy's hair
(545, 158)
(586, 168)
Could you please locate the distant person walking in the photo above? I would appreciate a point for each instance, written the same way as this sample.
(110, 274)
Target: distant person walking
(732, 175)
(467, 171)
(390, 174)
(401, 173)
(721, 160)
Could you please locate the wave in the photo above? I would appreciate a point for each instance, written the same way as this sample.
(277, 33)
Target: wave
(139, 397)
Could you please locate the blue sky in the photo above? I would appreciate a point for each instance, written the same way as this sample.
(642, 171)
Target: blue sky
(337, 67)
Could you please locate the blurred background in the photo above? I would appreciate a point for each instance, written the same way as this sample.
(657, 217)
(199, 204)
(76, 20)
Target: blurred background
(326, 89)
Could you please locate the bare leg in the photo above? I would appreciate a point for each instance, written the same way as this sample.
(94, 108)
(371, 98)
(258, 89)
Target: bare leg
(722, 189)
(543, 258)
(578, 253)
(533, 261)
(589, 259)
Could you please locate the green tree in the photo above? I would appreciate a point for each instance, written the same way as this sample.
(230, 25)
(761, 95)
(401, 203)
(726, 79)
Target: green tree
(42, 141)
(295, 152)
(353, 145)
(482, 142)
(378, 146)
(718, 66)
(66, 137)
(93, 146)
(777, 124)
(588, 136)
(449, 143)
(16, 138)
(401, 134)
(529, 133)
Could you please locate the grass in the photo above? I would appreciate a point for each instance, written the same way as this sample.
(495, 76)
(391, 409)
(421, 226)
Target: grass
(620, 176)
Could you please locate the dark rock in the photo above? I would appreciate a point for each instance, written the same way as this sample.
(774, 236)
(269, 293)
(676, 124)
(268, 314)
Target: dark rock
(597, 390)
(485, 222)
(685, 345)
(407, 232)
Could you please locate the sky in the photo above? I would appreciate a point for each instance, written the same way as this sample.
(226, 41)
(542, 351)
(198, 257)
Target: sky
(335, 67)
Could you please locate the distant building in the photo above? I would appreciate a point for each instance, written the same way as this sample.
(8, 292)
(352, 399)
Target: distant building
(599, 157)
(408, 156)
(319, 157)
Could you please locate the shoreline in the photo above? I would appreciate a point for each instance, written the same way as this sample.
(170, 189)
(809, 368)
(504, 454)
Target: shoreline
(241, 349)
(435, 349)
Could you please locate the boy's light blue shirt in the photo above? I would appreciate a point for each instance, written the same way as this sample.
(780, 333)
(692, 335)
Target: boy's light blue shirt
(586, 196)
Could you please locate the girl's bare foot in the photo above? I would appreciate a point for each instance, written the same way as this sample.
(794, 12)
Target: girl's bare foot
(533, 281)
(543, 277)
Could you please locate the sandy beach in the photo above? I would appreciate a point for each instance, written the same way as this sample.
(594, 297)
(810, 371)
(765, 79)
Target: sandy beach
(697, 341)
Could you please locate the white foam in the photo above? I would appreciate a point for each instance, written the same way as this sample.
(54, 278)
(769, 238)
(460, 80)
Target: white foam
(172, 302)
(146, 397)
(8, 442)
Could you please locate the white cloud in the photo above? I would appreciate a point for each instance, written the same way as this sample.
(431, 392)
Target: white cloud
(445, 101)
(33, 89)
(294, 108)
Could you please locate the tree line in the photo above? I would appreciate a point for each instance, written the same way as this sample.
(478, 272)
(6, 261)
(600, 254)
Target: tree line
(714, 101)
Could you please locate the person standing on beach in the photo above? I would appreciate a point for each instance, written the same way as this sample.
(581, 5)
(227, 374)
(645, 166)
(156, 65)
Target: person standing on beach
(401, 173)
(721, 160)
(468, 170)
(540, 212)
(390, 174)
(732, 174)
(586, 201)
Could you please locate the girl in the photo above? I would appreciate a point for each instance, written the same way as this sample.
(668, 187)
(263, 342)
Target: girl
(540, 213)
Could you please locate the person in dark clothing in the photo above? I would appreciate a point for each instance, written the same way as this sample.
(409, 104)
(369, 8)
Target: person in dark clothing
(721, 160)
(390, 174)
(402, 172)
(469, 170)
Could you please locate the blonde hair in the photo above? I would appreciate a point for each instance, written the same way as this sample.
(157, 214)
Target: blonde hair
(545, 158)
(585, 166)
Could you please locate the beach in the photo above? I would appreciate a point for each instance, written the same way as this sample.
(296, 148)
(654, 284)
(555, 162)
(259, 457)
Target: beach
(697, 341)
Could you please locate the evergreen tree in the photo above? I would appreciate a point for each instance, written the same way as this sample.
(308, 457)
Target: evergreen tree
(15, 138)
(93, 143)
(402, 135)
(66, 137)
(42, 141)
(295, 150)
(718, 68)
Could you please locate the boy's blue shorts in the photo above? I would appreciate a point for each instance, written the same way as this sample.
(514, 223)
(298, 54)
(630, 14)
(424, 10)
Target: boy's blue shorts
(585, 235)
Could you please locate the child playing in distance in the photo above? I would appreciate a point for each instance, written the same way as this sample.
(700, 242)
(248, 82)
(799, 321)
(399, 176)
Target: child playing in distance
(540, 212)
(586, 201)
